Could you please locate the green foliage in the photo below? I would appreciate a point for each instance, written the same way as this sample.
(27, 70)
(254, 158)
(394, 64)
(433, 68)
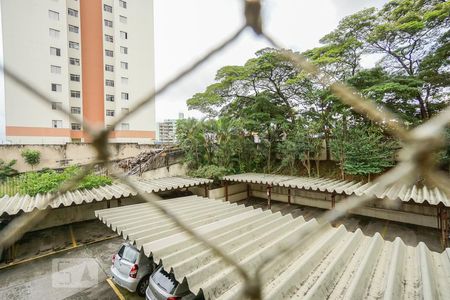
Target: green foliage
(363, 150)
(297, 119)
(210, 171)
(49, 181)
(6, 169)
(32, 157)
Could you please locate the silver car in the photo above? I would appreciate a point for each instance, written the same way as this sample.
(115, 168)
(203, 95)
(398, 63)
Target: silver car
(164, 286)
(131, 269)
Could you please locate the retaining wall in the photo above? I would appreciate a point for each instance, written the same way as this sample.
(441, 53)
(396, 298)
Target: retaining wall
(55, 156)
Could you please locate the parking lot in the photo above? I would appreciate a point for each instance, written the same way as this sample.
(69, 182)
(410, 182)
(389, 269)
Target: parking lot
(32, 275)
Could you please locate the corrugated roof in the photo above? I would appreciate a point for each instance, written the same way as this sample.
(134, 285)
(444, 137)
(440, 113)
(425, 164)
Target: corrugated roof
(432, 196)
(14, 204)
(336, 265)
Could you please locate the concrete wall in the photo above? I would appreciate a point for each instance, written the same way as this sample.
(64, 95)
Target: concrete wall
(78, 213)
(236, 192)
(172, 170)
(397, 211)
(51, 155)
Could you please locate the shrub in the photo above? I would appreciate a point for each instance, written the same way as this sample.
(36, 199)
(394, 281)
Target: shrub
(49, 181)
(210, 171)
(32, 157)
(6, 169)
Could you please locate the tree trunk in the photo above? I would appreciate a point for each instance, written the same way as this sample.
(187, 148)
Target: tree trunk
(318, 167)
(424, 113)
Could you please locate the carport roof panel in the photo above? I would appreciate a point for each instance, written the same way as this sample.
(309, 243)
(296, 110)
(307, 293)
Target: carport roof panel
(12, 205)
(405, 193)
(335, 264)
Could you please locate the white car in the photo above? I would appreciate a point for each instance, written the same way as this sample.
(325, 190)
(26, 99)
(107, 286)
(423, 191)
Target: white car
(131, 269)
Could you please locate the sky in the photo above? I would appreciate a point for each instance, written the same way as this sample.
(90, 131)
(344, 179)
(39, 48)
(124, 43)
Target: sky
(184, 30)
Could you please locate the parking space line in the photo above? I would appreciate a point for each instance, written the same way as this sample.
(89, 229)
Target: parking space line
(385, 228)
(54, 252)
(72, 236)
(115, 289)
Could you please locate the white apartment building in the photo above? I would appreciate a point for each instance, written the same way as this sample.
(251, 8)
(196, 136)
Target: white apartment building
(167, 130)
(94, 58)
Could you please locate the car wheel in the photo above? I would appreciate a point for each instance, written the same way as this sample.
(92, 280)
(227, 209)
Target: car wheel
(142, 286)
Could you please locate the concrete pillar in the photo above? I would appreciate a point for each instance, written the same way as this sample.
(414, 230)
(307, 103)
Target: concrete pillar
(333, 200)
(206, 191)
(269, 196)
(226, 190)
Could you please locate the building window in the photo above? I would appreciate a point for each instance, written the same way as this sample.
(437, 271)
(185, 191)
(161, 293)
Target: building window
(124, 96)
(74, 61)
(54, 33)
(109, 82)
(72, 12)
(75, 126)
(73, 29)
(107, 8)
(74, 45)
(108, 23)
(56, 87)
(123, 50)
(75, 110)
(109, 38)
(109, 53)
(55, 69)
(75, 94)
(125, 126)
(56, 123)
(53, 15)
(123, 19)
(124, 80)
(56, 105)
(124, 35)
(124, 65)
(74, 77)
(109, 68)
(110, 98)
(55, 51)
(110, 113)
(122, 4)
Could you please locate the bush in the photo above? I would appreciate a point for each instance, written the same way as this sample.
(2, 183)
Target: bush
(49, 181)
(32, 157)
(210, 171)
(6, 169)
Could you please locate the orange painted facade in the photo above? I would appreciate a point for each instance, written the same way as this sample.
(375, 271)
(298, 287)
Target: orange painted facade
(133, 134)
(36, 131)
(92, 62)
(75, 134)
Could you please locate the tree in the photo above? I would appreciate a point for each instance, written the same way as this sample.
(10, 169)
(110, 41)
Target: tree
(366, 151)
(301, 144)
(32, 157)
(407, 33)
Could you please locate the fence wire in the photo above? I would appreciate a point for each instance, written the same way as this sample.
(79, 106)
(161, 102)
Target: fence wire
(416, 156)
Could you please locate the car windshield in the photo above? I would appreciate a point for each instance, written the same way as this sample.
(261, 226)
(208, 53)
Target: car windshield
(165, 280)
(128, 253)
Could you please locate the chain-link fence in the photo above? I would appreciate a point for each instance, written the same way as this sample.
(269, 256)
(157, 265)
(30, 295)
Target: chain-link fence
(416, 157)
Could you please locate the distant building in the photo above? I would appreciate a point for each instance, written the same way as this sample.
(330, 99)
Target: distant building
(94, 58)
(167, 130)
